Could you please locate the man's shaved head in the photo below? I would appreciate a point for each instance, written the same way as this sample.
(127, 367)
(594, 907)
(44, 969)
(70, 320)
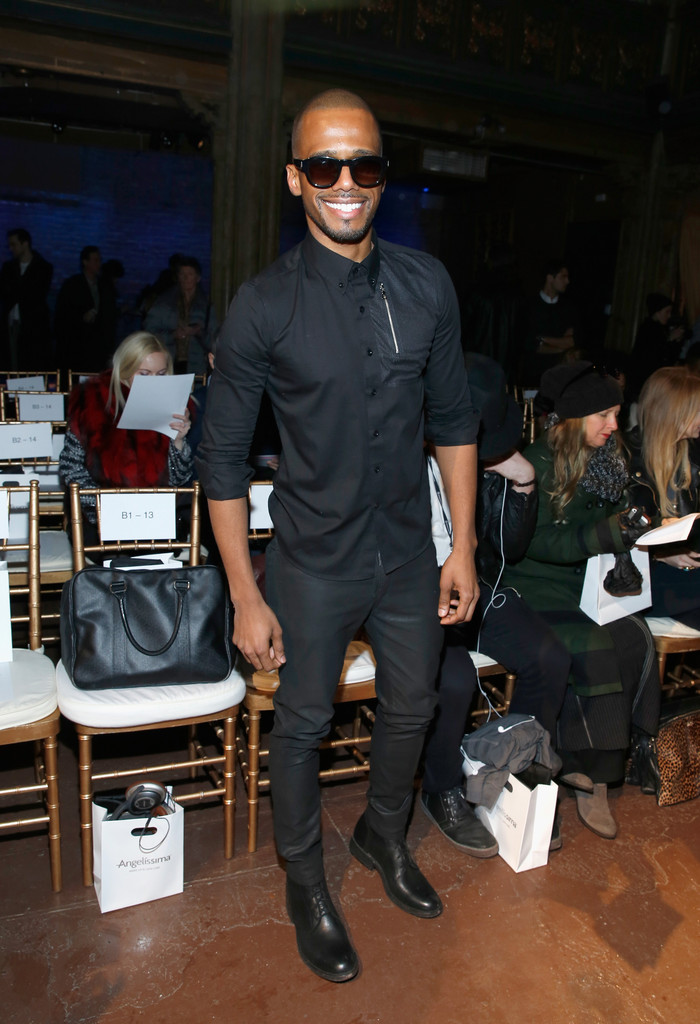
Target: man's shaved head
(331, 99)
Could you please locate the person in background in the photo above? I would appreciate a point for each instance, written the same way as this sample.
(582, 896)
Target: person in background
(112, 271)
(658, 343)
(25, 321)
(584, 510)
(553, 324)
(503, 626)
(98, 453)
(82, 339)
(184, 319)
(167, 279)
(665, 467)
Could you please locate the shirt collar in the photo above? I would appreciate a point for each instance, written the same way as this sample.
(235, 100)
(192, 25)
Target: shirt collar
(334, 267)
(546, 298)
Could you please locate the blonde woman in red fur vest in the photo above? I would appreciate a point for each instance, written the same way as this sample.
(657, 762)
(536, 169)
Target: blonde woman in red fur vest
(99, 454)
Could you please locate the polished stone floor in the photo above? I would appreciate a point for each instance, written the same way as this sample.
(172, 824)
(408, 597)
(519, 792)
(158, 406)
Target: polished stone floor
(606, 932)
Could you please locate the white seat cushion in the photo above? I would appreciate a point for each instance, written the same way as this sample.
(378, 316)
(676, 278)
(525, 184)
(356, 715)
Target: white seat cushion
(145, 705)
(664, 626)
(481, 660)
(360, 669)
(55, 553)
(27, 688)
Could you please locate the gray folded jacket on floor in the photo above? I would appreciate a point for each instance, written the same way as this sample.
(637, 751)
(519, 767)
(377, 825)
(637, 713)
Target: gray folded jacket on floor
(505, 745)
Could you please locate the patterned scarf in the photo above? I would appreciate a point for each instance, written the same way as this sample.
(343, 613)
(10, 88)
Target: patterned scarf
(607, 473)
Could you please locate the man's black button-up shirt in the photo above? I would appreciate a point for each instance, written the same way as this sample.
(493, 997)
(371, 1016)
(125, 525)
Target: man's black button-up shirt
(361, 361)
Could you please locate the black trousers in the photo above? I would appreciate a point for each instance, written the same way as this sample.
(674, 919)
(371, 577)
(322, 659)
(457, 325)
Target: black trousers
(319, 618)
(594, 732)
(520, 639)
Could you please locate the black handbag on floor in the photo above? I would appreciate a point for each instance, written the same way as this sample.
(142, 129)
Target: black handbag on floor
(142, 627)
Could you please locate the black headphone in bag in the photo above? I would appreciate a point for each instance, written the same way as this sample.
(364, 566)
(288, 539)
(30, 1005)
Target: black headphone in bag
(142, 800)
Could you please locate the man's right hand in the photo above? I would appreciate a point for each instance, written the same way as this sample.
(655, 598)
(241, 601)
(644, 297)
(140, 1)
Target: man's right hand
(258, 635)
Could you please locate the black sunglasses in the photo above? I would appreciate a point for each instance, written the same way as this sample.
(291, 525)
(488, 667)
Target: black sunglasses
(324, 171)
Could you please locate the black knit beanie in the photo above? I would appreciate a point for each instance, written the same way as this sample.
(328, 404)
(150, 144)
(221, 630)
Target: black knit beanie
(577, 389)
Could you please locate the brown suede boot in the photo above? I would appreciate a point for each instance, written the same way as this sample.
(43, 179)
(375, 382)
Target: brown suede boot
(576, 780)
(594, 812)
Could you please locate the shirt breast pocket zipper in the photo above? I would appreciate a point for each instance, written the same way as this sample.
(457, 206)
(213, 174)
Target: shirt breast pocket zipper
(388, 313)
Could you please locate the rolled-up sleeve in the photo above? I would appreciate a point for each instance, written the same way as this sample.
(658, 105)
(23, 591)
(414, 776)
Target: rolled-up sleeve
(233, 403)
(450, 417)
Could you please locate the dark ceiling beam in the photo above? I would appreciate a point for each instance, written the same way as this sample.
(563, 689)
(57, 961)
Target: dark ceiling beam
(98, 61)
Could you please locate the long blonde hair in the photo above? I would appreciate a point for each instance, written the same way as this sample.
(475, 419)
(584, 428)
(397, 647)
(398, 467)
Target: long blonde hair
(668, 405)
(571, 455)
(128, 358)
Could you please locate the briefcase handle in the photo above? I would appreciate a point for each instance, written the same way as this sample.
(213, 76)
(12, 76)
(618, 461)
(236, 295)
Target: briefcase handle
(118, 590)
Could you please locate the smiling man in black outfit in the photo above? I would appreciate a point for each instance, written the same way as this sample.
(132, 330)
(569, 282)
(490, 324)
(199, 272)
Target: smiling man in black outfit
(357, 342)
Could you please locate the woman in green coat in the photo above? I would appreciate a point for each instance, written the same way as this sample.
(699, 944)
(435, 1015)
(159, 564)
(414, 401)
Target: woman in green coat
(614, 683)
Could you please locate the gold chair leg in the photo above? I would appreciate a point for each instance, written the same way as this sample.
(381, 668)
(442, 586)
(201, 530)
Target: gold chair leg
(253, 777)
(357, 722)
(192, 748)
(229, 785)
(85, 786)
(661, 658)
(52, 809)
(509, 690)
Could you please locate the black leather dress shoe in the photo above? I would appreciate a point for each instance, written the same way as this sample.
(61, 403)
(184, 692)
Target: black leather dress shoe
(322, 940)
(403, 881)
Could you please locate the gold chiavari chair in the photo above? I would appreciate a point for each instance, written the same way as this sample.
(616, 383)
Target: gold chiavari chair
(525, 397)
(28, 699)
(673, 637)
(44, 438)
(74, 377)
(491, 697)
(147, 708)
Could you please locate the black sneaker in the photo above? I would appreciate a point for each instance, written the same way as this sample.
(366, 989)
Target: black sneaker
(453, 815)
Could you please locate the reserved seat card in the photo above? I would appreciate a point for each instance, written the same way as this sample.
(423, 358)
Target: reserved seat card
(145, 516)
(25, 441)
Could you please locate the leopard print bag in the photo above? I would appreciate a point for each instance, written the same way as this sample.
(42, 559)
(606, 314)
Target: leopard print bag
(678, 751)
(668, 765)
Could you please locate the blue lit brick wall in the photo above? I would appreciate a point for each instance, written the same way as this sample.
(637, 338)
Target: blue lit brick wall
(137, 207)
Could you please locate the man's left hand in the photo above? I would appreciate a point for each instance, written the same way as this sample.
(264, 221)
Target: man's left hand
(459, 590)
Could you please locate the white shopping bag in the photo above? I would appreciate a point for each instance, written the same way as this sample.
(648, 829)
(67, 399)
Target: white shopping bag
(601, 606)
(522, 820)
(137, 859)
